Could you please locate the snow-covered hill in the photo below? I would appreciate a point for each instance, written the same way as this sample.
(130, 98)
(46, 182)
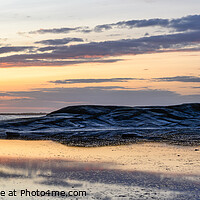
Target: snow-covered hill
(93, 124)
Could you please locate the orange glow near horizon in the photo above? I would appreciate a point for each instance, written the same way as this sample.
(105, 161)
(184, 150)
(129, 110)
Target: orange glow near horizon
(141, 66)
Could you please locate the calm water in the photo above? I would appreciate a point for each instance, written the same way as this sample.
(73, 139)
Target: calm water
(8, 117)
(99, 180)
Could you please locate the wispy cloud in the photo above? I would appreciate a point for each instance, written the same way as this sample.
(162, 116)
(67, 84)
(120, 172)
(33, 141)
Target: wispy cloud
(83, 29)
(73, 81)
(59, 41)
(53, 30)
(24, 61)
(192, 79)
(188, 23)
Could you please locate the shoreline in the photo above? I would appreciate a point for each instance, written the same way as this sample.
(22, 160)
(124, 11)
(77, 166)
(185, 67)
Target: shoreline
(136, 171)
(147, 157)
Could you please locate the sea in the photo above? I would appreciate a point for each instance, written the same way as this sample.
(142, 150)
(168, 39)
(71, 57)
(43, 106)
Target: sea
(5, 116)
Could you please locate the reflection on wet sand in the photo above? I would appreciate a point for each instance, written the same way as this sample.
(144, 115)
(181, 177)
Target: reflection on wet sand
(99, 180)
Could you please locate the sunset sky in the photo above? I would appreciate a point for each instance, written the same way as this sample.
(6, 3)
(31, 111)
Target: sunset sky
(110, 52)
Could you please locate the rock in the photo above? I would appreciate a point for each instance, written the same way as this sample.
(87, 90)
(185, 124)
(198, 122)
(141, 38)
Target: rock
(11, 135)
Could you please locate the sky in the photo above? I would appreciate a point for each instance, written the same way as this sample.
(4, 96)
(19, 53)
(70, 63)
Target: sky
(59, 53)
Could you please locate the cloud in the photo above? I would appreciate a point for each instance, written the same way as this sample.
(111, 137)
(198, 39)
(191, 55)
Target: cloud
(25, 61)
(142, 45)
(53, 30)
(101, 28)
(14, 49)
(190, 22)
(6, 98)
(98, 52)
(132, 24)
(55, 98)
(96, 95)
(2, 94)
(59, 41)
(187, 23)
(192, 79)
(108, 87)
(72, 81)
(62, 30)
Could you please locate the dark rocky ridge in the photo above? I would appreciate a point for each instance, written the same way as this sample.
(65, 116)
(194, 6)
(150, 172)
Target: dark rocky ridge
(102, 125)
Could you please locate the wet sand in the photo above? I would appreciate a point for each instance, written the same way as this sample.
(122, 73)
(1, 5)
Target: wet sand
(137, 171)
(151, 157)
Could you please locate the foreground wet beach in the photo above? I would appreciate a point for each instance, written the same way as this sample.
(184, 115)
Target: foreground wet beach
(138, 171)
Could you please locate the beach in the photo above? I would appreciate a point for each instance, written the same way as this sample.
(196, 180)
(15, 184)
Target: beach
(100, 100)
(151, 157)
(136, 171)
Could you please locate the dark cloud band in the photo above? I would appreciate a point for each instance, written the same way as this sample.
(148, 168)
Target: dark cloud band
(57, 53)
(188, 23)
(192, 79)
(98, 52)
(59, 41)
(61, 97)
(14, 49)
(73, 81)
(61, 30)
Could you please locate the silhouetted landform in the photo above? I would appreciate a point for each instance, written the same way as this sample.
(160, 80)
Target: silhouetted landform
(90, 125)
